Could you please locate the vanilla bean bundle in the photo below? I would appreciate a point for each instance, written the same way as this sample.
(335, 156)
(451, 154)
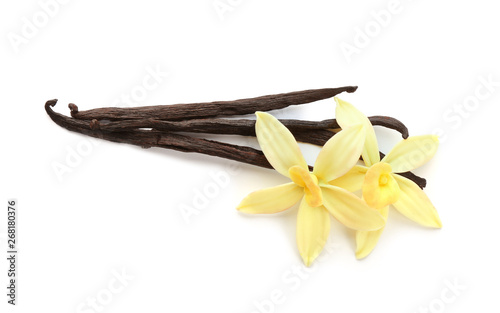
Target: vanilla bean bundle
(157, 126)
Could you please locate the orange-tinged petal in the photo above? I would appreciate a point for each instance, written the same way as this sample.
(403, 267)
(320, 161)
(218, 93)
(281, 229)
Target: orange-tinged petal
(313, 228)
(278, 144)
(271, 200)
(415, 205)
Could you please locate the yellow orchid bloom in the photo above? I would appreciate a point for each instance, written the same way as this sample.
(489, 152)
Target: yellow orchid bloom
(379, 181)
(317, 197)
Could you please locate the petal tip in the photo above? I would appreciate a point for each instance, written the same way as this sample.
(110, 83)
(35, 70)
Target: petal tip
(308, 260)
(241, 208)
(435, 138)
(261, 114)
(438, 224)
(360, 254)
(378, 223)
(340, 101)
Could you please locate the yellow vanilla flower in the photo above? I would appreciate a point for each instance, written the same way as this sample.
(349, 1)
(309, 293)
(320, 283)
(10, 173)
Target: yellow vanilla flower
(317, 198)
(379, 181)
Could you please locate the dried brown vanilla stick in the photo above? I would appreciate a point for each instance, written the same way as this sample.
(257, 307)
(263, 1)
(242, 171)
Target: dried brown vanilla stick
(210, 109)
(242, 127)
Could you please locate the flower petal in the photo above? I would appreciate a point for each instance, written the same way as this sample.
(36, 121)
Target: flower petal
(278, 144)
(271, 200)
(347, 115)
(313, 228)
(340, 153)
(351, 210)
(380, 188)
(415, 205)
(367, 240)
(411, 153)
(352, 180)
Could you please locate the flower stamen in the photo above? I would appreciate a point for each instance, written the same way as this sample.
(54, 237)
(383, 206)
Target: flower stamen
(309, 181)
(383, 180)
(380, 188)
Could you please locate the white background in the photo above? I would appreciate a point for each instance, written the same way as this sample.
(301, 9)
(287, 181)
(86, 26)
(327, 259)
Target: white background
(117, 208)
